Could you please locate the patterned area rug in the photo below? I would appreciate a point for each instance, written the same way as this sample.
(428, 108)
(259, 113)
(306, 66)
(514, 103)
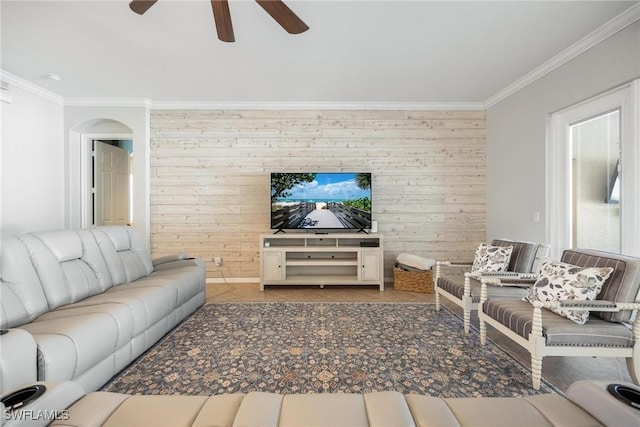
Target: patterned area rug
(324, 347)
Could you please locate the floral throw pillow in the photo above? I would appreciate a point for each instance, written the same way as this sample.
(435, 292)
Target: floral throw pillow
(491, 258)
(559, 281)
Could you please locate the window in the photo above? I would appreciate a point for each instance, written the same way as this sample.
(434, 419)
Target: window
(595, 183)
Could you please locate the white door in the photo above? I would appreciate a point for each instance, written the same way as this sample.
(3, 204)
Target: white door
(111, 185)
(593, 174)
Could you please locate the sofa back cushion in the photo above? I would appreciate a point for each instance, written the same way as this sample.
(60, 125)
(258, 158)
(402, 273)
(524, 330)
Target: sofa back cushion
(522, 256)
(622, 285)
(57, 257)
(125, 254)
(22, 298)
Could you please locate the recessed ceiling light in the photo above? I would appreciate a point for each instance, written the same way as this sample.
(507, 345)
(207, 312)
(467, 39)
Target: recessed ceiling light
(54, 76)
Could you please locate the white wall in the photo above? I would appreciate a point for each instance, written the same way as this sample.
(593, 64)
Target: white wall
(32, 164)
(516, 131)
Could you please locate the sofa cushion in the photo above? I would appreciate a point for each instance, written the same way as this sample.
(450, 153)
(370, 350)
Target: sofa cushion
(124, 252)
(562, 412)
(430, 411)
(64, 244)
(121, 314)
(92, 255)
(69, 346)
(57, 258)
(323, 409)
(174, 411)
(259, 409)
(387, 408)
(23, 298)
(496, 412)
(186, 278)
(148, 305)
(219, 410)
(560, 281)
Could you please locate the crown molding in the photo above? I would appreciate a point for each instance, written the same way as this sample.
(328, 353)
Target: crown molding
(409, 106)
(616, 24)
(20, 83)
(108, 102)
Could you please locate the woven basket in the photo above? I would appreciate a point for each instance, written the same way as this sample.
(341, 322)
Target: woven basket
(415, 281)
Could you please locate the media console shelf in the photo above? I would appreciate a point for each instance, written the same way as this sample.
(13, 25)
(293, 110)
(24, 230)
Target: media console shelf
(331, 259)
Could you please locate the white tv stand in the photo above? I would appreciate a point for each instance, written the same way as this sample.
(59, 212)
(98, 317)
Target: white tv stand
(321, 259)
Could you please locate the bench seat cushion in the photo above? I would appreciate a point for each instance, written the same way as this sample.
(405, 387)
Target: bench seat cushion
(456, 288)
(517, 315)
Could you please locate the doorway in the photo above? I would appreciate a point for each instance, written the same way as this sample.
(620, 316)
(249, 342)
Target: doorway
(595, 195)
(106, 179)
(593, 178)
(112, 163)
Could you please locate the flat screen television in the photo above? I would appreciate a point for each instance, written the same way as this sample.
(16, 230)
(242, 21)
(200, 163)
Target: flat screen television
(321, 201)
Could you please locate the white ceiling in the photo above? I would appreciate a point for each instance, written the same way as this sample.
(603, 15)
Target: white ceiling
(355, 51)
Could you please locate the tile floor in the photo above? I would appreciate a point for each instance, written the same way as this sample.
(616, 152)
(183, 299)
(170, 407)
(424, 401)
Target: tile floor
(560, 371)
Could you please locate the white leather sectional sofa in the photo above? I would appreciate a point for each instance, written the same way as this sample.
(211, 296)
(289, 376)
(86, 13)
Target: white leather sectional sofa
(81, 305)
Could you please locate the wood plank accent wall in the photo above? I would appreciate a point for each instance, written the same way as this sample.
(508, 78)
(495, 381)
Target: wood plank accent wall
(210, 178)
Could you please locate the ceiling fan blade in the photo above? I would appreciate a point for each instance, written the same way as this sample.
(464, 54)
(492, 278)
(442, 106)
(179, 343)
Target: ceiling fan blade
(222, 16)
(141, 6)
(283, 16)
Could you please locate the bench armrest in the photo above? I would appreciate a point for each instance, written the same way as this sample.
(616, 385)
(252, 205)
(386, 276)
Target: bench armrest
(453, 264)
(595, 305)
(504, 282)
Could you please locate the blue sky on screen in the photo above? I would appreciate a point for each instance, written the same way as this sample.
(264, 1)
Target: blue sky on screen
(329, 186)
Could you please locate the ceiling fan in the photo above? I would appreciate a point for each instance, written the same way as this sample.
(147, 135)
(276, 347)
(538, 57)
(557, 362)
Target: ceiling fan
(276, 8)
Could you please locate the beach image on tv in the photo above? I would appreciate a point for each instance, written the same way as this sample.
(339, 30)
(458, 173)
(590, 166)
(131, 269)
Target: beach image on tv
(321, 200)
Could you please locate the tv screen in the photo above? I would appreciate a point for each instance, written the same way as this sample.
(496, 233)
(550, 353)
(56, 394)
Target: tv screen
(321, 201)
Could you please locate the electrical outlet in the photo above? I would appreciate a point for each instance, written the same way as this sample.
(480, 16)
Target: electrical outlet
(217, 261)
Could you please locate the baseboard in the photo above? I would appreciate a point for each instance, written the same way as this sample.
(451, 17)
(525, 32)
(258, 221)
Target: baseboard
(257, 280)
(233, 280)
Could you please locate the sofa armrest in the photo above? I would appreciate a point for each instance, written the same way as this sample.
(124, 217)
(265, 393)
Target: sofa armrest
(19, 359)
(593, 397)
(51, 405)
(169, 258)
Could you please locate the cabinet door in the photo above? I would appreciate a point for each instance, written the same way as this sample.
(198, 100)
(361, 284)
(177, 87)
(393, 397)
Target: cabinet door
(370, 265)
(272, 268)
